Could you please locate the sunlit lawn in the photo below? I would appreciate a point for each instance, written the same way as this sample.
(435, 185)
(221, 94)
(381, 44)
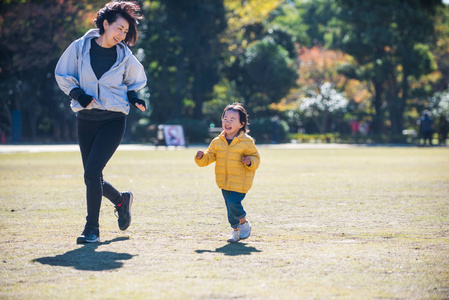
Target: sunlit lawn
(354, 223)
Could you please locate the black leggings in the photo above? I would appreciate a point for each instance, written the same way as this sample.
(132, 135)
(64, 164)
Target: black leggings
(98, 141)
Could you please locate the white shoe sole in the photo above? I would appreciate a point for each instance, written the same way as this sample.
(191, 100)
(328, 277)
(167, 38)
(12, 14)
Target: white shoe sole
(244, 238)
(232, 241)
(84, 241)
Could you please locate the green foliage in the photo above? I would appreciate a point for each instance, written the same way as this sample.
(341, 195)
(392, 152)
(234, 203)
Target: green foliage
(335, 137)
(143, 131)
(33, 34)
(195, 131)
(387, 39)
(289, 19)
(262, 130)
(201, 55)
(39, 29)
(316, 138)
(439, 104)
(420, 60)
(283, 38)
(263, 74)
(317, 16)
(183, 54)
(225, 93)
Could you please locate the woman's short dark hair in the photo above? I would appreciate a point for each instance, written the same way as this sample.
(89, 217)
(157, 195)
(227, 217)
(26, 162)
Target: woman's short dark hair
(125, 9)
(238, 107)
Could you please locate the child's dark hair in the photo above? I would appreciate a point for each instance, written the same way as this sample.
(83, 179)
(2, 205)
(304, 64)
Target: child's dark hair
(128, 10)
(244, 119)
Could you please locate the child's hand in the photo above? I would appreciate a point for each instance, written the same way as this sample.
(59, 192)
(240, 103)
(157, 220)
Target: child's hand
(199, 154)
(246, 160)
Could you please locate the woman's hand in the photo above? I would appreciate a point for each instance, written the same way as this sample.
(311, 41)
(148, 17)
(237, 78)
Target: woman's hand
(140, 107)
(91, 103)
(85, 100)
(140, 104)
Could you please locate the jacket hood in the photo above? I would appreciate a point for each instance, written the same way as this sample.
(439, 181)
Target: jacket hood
(122, 49)
(74, 70)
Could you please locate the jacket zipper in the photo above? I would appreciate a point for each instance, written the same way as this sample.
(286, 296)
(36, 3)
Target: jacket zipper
(226, 164)
(98, 88)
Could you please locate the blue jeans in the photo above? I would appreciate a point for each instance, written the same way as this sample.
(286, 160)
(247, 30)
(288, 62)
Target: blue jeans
(234, 207)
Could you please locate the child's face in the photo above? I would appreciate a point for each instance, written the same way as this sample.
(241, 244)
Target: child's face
(231, 123)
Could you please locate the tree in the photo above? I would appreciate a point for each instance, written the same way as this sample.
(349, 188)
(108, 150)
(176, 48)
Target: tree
(321, 103)
(319, 68)
(261, 57)
(440, 49)
(164, 62)
(289, 18)
(183, 54)
(33, 35)
(263, 74)
(389, 40)
(245, 22)
(439, 103)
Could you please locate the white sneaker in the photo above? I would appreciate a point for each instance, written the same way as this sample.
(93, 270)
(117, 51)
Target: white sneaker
(235, 236)
(245, 230)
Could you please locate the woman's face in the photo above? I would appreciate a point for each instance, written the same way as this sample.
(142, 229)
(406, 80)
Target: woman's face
(115, 32)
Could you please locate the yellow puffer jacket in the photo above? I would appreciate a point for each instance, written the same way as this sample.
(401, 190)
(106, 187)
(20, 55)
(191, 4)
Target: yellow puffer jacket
(230, 172)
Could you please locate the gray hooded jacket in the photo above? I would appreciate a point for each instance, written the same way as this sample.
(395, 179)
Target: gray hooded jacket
(75, 71)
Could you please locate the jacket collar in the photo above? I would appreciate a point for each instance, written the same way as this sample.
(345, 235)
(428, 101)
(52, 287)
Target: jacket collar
(236, 138)
(122, 49)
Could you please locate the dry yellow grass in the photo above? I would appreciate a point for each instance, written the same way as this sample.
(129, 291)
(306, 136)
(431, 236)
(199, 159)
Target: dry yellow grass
(355, 223)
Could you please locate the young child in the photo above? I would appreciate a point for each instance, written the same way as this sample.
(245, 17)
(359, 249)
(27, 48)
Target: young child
(237, 159)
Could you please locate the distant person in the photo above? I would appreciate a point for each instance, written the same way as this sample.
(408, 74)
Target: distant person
(101, 75)
(275, 124)
(443, 128)
(426, 127)
(354, 127)
(236, 160)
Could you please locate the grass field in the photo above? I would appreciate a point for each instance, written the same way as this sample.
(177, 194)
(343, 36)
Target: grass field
(357, 223)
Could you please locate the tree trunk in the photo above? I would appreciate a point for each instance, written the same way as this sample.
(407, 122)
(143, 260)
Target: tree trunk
(378, 111)
(324, 121)
(179, 85)
(30, 121)
(198, 92)
(397, 106)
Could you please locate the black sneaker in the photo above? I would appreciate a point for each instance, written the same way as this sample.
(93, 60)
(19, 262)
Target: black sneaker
(124, 211)
(90, 234)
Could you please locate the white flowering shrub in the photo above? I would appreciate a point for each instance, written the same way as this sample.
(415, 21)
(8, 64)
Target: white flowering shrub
(327, 100)
(439, 104)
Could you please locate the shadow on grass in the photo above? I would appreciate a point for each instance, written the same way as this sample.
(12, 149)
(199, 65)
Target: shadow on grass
(87, 259)
(233, 249)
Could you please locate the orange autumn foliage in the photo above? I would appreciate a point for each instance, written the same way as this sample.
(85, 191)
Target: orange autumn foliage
(317, 66)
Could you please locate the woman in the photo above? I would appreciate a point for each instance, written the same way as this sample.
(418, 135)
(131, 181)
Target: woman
(101, 75)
